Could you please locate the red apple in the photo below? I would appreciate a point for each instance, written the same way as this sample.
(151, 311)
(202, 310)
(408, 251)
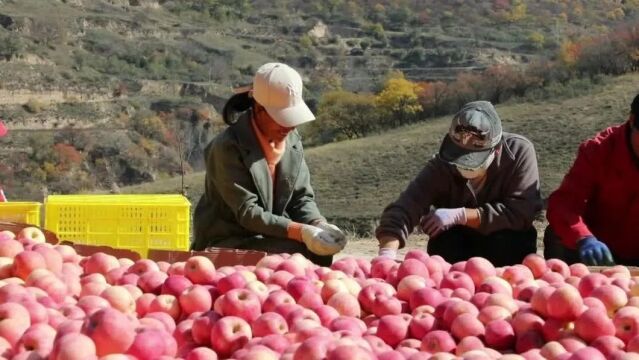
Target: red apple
(469, 343)
(368, 294)
(229, 334)
(608, 345)
(479, 269)
(167, 304)
(119, 298)
(382, 267)
(626, 322)
(142, 266)
(31, 235)
(175, 285)
(38, 338)
(9, 248)
(347, 323)
(345, 304)
(536, 264)
(410, 284)
(152, 281)
(110, 330)
(201, 353)
(438, 341)
(14, 321)
(201, 330)
(326, 314)
(74, 346)
(385, 305)
(151, 344)
(200, 270)
(100, 263)
(458, 279)
(555, 329)
(195, 299)
(493, 312)
(539, 299)
(528, 340)
(587, 353)
(579, 270)
(467, 324)
(565, 303)
(26, 262)
(392, 329)
(590, 282)
(241, 303)
(612, 296)
(558, 266)
(269, 323)
(592, 324)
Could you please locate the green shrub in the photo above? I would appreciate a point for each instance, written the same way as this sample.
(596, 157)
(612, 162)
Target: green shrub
(34, 106)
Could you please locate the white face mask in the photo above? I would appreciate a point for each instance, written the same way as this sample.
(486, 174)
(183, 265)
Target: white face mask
(480, 171)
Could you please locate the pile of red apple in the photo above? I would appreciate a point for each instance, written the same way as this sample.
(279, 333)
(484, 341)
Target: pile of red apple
(56, 304)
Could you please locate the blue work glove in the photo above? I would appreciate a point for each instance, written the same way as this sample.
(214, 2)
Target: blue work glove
(442, 219)
(594, 252)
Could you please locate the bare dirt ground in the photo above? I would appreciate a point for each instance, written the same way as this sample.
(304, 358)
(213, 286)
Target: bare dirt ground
(368, 247)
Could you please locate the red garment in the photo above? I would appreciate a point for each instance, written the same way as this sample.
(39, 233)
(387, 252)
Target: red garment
(600, 195)
(3, 129)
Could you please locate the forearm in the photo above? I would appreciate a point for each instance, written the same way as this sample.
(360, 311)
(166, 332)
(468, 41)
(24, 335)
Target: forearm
(565, 218)
(473, 218)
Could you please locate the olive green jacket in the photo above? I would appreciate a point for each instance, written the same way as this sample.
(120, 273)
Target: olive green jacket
(240, 200)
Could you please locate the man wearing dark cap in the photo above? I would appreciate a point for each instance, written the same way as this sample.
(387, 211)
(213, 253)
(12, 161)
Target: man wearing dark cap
(594, 214)
(477, 197)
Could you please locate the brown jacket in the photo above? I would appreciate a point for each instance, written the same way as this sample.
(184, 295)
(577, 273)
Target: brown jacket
(510, 199)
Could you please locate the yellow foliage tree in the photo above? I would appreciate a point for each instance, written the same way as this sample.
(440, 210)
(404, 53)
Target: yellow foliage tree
(569, 52)
(399, 98)
(517, 11)
(537, 39)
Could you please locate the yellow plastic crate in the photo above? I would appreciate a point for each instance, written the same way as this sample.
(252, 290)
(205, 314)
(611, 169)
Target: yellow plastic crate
(134, 222)
(21, 212)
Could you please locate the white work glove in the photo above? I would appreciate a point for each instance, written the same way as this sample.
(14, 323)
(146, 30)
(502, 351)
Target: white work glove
(322, 242)
(387, 253)
(334, 231)
(442, 219)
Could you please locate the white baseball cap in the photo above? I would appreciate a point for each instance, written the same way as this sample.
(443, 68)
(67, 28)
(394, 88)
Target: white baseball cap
(278, 88)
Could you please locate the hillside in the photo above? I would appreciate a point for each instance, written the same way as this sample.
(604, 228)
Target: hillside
(101, 94)
(355, 179)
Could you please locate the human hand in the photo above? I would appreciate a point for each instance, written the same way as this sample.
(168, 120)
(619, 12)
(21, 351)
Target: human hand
(387, 253)
(442, 219)
(320, 241)
(594, 252)
(336, 232)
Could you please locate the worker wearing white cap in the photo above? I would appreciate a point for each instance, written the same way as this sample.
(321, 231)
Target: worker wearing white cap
(258, 193)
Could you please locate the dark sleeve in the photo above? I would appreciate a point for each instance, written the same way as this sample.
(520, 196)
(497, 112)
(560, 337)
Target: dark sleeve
(401, 216)
(302, 208)
(227, 172)
(567, 204)
(521, 199)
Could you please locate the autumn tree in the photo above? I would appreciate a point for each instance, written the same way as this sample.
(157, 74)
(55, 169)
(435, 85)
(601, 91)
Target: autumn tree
(433, 97)
(399, 99)
(569, 52)
(353, 115)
